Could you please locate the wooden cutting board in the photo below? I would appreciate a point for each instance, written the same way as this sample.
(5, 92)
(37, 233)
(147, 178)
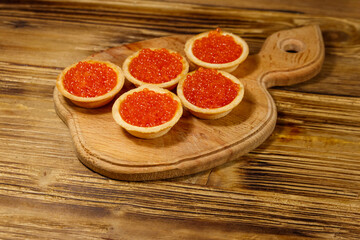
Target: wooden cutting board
(194, 145)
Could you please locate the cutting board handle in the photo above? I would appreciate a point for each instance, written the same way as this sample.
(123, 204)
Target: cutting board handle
(287, 57)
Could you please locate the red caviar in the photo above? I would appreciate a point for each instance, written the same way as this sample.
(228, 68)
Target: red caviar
(156, 66)
(207, 88)
(216, 48)
(148, 108)
(89, 79)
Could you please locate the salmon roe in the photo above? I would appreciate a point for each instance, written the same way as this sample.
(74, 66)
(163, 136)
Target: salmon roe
(148, 108)
(207, 88)
(216, 48)
(89, 79)
(156, 66)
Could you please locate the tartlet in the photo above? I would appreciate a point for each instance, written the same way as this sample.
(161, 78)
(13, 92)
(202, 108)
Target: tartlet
(160, 67)
(210, 93)
(217, 49)
(147, 111)
(90, 83)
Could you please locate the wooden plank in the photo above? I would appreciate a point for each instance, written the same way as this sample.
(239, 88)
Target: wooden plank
(324, 8)
(62, 39)
(312, 156)
(303, 182)
(280, 169)
(80, 198)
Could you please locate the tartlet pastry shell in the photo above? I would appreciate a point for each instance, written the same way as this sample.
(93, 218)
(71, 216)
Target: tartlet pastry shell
(167, 85)
(92, 102)
(146, 132)
(228, 67)
(211, 113)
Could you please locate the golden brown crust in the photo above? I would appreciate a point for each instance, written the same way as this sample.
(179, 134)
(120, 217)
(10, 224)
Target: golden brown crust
(213, 113)
(92, 102)
(146, 132)
(167, 85)
(228, 67)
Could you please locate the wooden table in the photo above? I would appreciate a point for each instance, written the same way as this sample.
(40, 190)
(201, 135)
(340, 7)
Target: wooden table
(303, 182)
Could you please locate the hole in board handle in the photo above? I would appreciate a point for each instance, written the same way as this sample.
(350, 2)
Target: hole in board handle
(291, 45)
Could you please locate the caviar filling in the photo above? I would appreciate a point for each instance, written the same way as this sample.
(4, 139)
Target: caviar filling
(156, 66)
(147, 108)
(88, 79)
(216, 48)
(207, 88)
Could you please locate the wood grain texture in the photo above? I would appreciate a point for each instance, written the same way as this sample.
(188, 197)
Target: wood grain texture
(194, 145)
(301, 183)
